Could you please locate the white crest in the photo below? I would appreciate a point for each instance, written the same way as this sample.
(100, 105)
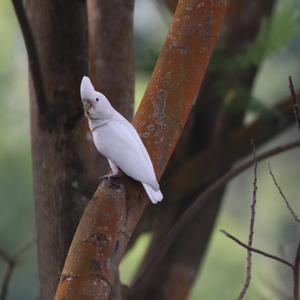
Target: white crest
(87, 90)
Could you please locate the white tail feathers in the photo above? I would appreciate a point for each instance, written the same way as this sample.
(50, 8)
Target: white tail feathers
(154, 195)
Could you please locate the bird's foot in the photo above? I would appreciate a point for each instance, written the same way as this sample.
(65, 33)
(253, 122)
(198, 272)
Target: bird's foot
(109, 177)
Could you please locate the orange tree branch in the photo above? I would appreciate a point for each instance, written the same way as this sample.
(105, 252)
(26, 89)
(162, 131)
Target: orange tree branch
(112, 215)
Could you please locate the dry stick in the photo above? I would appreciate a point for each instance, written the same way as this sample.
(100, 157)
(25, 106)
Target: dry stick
(192, 211)
(294, 215)
(295, 266)
(11, 262)
(33, 58)
(266, 254)
(296, 273)
(296, 101)
(251, 230)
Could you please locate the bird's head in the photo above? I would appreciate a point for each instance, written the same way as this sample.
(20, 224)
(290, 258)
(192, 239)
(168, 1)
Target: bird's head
(96, 106)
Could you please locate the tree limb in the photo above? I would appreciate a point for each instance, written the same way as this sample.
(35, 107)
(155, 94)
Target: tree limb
(184, 258)
(111, 217)
(11, 262)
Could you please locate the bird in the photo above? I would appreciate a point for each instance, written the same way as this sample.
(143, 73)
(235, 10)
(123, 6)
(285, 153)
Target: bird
(117, 140)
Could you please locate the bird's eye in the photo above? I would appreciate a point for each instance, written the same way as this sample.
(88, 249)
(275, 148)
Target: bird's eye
(97, 99)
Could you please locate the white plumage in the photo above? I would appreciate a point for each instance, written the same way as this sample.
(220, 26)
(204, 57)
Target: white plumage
(117, 140)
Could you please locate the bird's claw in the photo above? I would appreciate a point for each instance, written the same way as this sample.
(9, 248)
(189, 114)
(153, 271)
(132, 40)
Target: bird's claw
(109, 177)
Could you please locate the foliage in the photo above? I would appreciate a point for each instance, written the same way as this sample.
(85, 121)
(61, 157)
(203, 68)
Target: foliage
(275, 33)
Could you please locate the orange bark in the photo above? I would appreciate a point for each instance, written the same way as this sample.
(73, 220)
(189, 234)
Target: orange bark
(112, 215)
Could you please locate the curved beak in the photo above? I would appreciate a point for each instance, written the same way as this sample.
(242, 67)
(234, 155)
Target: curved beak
(86, 106)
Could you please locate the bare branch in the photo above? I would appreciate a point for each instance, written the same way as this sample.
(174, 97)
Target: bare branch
(6, 280)
(251, 230)
(11, 262)
(5, 256)
(296, 101)
(296, 273)
(294, 215)
(197, 205)
(266, 254)
(23, 248)
(33, 58)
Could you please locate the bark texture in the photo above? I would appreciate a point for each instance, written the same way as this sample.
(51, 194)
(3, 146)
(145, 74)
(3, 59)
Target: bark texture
(61, 149)
(97, 248)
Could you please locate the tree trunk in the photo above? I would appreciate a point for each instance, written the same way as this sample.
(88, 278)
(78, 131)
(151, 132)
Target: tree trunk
(65, 163)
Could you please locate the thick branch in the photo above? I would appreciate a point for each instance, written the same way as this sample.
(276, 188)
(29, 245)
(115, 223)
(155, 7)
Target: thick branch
(184, 258)
(33, 58)
(112, 215)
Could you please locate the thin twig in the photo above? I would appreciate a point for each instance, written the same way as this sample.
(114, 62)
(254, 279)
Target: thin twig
(5, 256)
(296, 273)
(192, 211)
(294, 215)
(33, 58)
(296, 101)
(251, 230)
(266, 254)
(23, 248)
(11, 262)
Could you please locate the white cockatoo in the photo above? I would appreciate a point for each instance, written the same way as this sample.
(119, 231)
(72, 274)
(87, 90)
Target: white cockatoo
(117, 140)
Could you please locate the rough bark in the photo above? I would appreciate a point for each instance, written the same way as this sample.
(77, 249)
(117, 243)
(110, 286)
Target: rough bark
(201, 132)
(102, 236)
(62, 155)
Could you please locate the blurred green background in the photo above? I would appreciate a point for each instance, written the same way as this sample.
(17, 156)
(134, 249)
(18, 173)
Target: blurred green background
(223, 272)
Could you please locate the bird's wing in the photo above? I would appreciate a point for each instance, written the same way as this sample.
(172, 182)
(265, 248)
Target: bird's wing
(122, 145)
